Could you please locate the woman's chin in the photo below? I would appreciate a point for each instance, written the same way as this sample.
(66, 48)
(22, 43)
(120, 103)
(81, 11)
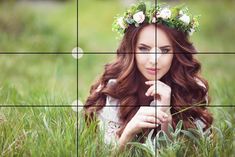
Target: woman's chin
(151, 78)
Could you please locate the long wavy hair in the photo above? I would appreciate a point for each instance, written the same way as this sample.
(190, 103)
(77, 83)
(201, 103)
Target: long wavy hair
(182, 77)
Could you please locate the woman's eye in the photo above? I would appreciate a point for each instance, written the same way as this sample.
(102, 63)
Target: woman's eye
(143, 49)
(165, 51)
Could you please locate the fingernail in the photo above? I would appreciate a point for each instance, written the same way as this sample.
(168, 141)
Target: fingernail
(146, 94)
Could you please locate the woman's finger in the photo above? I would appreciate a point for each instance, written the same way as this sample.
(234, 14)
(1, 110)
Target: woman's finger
(152, 112)
(162, 116)
(147, 125)
(150, 82)
(150, 91)
(147, 111)
(151, 119)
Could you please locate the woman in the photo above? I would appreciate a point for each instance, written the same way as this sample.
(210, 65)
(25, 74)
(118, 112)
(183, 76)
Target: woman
(154, 76)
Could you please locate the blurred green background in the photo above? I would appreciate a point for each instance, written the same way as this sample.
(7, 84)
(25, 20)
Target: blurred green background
(43, 79)
(38, 26)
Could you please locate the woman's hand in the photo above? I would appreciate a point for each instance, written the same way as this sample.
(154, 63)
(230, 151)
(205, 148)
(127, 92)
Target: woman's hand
(162, 93)
(145, 117)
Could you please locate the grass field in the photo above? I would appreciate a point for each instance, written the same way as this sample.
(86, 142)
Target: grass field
(38, 80)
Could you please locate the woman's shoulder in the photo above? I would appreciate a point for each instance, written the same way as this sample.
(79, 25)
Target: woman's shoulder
(110, 82)
(109, 111)
(110, 101)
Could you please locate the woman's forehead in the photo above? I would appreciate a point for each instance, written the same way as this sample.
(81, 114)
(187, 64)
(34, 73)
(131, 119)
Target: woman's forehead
(147, 36)
(153, 36)
(162, 38)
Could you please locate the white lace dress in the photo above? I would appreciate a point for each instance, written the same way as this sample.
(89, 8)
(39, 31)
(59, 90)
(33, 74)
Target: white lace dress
(109, 121)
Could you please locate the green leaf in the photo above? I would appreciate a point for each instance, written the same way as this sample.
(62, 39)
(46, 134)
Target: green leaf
(170, 128)
(142, 7)
(179, 125)
(191, 136)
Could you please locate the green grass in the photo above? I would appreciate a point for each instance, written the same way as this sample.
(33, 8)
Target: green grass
(37, 79)
(193, 142)
(37, 132)
(51, 80)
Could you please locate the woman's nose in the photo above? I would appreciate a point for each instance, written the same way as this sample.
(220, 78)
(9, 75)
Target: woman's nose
(155, 54)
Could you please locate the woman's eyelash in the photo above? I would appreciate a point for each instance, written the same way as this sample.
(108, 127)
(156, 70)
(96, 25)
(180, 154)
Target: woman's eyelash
(164, 51)
(143, 49)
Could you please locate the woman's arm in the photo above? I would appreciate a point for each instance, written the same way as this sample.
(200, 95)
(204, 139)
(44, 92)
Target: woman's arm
(164, 126)
(144, 118)
(162, 94)
(124, 139)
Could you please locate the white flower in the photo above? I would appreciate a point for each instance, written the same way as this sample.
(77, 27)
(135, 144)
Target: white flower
(181, 12)
(77, 105)
(191, 31)
(154, 20)
(139, 17)
(77, 53)
(121, 22)
(164, 14)
(185, 19)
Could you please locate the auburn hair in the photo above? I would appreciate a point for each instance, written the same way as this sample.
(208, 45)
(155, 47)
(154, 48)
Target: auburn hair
(183, 78)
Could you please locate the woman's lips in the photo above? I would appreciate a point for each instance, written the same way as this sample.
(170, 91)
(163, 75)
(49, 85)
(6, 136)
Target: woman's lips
(152, 71)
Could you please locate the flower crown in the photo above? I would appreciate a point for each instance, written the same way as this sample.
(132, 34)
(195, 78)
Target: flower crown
(177, 17)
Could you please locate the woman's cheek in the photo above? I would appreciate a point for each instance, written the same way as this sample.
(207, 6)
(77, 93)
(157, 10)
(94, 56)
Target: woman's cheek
(167, 60)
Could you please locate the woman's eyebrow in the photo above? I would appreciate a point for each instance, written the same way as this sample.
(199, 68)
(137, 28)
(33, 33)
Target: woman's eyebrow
(166, 46)
(145, 45)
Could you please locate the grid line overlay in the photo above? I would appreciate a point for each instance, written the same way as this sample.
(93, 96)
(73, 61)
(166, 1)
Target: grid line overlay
(77, 136)
(111, 53)
(77, 76)
(56, 106)
(155, 102)
(198, 53)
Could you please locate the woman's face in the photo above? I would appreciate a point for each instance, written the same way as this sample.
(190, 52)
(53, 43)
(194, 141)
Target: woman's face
(152, 40)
